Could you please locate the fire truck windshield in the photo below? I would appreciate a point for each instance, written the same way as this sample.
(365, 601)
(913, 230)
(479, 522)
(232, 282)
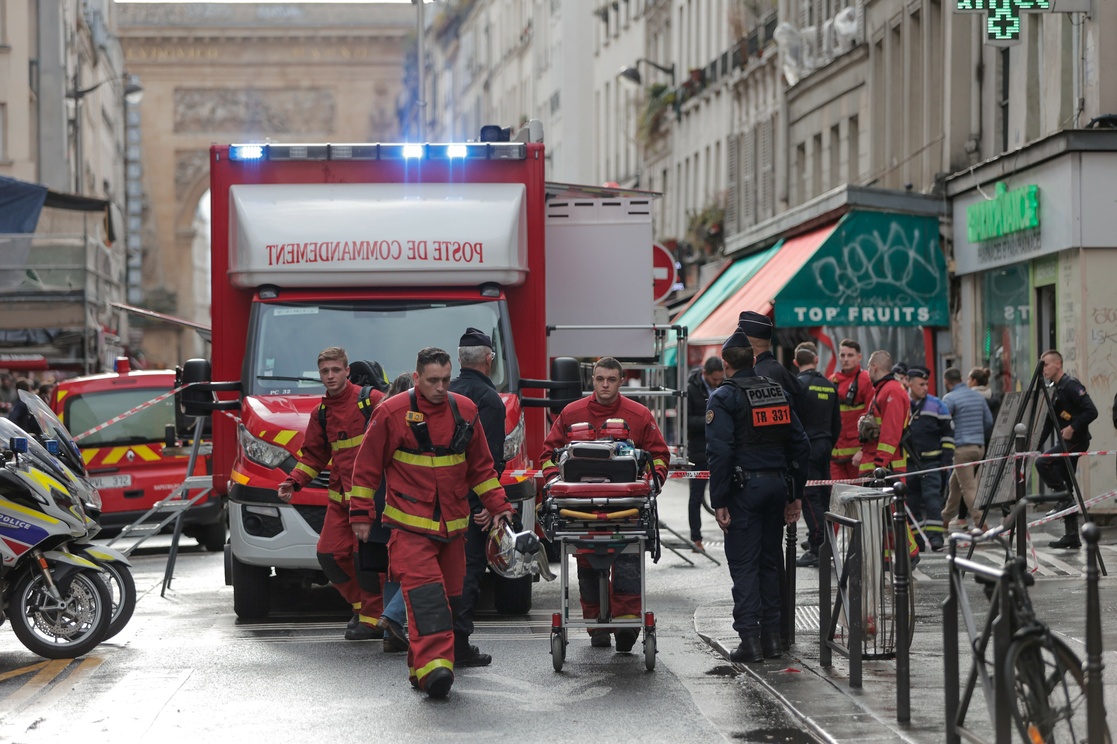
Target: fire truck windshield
(287, 337)
(86, 410)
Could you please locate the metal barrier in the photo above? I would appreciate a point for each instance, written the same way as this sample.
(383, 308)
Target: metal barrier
(848, 570)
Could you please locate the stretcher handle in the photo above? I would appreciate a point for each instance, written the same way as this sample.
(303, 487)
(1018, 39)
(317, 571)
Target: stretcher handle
(611, 515)
(600, 501)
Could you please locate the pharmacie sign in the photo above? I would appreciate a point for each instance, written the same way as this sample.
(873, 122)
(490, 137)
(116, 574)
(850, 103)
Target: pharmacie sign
(1006, 213)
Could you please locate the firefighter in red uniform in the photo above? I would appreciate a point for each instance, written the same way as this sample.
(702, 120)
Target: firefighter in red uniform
(855, 390)
(429, 450)
(345, 426)
(884, 422)
(607, 403)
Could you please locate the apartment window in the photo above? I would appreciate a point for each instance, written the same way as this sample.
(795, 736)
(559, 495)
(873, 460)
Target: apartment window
(835, 175)
(767, 195)
(853, 161)
(1005, 57)
(3, 132)
(747, 159)
(816, 166)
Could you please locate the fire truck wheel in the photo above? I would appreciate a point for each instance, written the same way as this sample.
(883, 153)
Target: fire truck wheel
(251, 592)
(211, 536)
(512, 596)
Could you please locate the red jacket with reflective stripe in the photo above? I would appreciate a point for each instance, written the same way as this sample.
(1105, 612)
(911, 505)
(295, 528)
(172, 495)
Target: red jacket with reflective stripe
(848, 443)
(426, 493)
(645, 434)
(345, 427)
(892, 410)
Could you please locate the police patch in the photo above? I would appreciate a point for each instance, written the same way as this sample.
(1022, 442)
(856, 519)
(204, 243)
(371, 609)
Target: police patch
(709, 416)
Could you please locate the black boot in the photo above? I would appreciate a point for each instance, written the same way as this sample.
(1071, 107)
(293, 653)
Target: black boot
(771, 645)
(438, 683)
(749, 651)
(467, 655)
(1070, 536)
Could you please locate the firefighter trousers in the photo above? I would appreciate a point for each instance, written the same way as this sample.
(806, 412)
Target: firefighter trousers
(430, 574)
(624, 587)
(337, 546)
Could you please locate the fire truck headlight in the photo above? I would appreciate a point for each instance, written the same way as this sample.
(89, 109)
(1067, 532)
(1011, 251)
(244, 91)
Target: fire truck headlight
(514, 441)
(259, 451)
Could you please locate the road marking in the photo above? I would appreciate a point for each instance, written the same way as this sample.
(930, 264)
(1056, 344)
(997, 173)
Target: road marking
(33, 687)
(40, 708)
(1059, 564)
(22, 670)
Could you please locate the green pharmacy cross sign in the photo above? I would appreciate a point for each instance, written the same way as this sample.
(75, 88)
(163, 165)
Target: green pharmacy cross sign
(1002, 23)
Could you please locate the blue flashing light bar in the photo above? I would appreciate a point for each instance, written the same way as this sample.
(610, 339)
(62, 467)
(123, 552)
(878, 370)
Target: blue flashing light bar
(18, 445)
(52, 446)
(392, 151)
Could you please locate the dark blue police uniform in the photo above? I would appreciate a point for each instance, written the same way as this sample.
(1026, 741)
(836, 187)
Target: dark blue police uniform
(751, 426)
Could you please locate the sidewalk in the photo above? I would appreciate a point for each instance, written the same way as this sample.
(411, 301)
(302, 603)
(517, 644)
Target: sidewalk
(830, 709)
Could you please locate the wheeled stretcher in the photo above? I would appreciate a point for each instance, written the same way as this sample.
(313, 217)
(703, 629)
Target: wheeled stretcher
(602, 506)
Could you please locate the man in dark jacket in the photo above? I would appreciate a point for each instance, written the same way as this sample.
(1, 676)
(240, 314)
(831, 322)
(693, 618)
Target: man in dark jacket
(759, 329)
(1074, 411)
(822, 421)
(475, 355)
(700, 384)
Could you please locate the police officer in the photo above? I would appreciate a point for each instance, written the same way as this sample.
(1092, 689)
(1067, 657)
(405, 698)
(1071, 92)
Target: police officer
(758, 328)
(475, 355)
(822, 420)
(758, 453)
(931, 446)
(1074, 411)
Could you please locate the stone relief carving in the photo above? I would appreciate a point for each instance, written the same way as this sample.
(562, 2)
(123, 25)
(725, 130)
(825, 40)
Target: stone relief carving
(189, 167)
(259, 112)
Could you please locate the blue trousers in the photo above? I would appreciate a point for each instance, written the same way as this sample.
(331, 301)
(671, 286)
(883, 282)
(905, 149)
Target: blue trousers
(925, 499)
(753, 552)
(694, 508)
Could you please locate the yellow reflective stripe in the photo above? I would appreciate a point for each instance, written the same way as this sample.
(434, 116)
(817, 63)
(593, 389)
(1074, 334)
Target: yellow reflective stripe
(948, 446)
(486, 486)
(657, 462)
(437, 663)
(32, 513)
(146, 453)
(374, 622)
(547, 464)
(240, 478)
(457, 524)
(932, 453)
(347, 443)
(88, 454)
(284, 437)
(881, 446)
(356, 605)
(361, 492)
(335, 496)
(845, 451)
(428, 461)
(114, 456)
(845, 409)
(307, 469)
(391, 512)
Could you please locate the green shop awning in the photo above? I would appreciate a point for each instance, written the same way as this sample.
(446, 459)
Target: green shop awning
(875, 269)
(725, 285)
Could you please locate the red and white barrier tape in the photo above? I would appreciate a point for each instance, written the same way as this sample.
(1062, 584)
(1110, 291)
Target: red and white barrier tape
(130, 412)
(1073, 509)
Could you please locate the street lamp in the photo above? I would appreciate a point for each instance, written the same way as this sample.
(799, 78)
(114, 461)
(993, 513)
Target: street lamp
(632, 73)
(133, 94)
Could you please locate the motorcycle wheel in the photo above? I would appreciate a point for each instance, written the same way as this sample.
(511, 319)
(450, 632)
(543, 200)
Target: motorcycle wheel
(66, 629)
(122, 589)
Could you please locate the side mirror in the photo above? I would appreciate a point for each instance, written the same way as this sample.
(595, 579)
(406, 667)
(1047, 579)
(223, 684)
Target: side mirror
(192, 400)
(566, 376)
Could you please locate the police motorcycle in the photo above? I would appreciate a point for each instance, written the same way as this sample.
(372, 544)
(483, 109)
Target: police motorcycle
(115, 568)
(58, 605)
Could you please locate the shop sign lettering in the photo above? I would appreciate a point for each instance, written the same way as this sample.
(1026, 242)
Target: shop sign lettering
(1006, 213)
(865, 315)
(357, 251)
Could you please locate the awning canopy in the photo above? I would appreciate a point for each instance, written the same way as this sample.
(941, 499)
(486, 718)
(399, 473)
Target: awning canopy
(758, 293)
(874, 269)
(867, 269)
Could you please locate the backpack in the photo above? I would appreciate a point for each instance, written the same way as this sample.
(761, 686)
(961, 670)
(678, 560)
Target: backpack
(370, 376)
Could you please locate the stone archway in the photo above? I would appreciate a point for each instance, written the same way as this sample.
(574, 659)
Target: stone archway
(220, 73)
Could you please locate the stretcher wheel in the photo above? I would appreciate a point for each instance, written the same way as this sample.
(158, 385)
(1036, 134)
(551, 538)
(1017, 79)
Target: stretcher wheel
(649, 649)
(558, 650)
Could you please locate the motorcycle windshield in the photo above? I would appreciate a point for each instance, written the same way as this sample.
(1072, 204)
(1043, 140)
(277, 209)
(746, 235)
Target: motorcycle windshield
(36, 452)
(68, 451)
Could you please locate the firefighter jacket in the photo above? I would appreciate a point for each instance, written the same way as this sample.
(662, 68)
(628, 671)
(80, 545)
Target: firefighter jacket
(641, 424)
(852, 406)
(1073, 408)
(345, 429)
(891, 409)
(427, 492)
(932, 433)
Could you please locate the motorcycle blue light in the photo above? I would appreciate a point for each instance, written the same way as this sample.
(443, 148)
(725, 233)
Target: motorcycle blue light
(52, 446)
(18, 445)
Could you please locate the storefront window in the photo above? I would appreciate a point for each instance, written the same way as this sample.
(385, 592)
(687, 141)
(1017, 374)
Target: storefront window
(1006, 341)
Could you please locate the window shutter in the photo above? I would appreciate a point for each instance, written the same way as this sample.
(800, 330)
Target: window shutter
(748, 178)
(767, 186)
(731, 193)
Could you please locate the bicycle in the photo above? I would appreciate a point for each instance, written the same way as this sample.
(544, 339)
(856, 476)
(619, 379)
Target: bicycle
(1046, 685)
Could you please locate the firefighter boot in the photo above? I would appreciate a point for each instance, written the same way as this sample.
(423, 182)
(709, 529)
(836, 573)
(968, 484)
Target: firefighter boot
(1070, 538)
(467, 655)
(438, 683)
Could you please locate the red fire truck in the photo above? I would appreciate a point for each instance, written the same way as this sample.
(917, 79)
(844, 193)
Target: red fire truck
(384, 249)
(127, 460)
